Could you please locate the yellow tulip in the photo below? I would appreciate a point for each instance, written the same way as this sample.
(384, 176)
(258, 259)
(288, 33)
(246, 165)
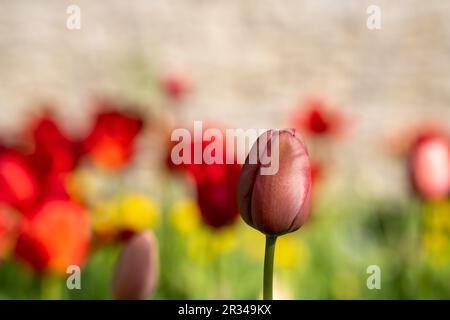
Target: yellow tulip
(185, 216)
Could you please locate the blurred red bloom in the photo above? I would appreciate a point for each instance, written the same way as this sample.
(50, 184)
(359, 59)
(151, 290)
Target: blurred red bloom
(316, 172)
(110, 144)
(316, 118)
(55, 186)
(201, 172)
(176, 85)
(216, 184)
(54, 152)
(430, 165)
(18, 184)
(9, 228)
(54, 236)
(403, 141)
(216, 194)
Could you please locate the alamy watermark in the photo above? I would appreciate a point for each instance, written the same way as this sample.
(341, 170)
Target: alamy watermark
(73, 21)
(374, 280)
(236, 143)
(74, 278)
(373, 21)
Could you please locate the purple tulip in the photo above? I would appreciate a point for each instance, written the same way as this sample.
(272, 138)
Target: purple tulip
(279, 203)
(136, 272)
(274, 191)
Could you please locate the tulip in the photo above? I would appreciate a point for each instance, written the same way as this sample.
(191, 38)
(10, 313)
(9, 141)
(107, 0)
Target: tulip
(54, 151)
(136, 272)
(122, 217)
(279, 203)
(18, 183)
(176, 85)
(430, 167)
(215, 184)
(54, 236)
(111, 143)
(216, 194)
(317, 119)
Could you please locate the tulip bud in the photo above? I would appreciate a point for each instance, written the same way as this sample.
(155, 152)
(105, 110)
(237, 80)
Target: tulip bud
(176, 85)
(136, 272)
(279, 203)
(430, 167)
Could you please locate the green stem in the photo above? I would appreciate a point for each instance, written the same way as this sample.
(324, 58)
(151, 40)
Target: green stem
(268, 267)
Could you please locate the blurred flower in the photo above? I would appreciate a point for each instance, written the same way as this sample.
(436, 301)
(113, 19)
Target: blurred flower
(176, 85)
(403, 141)
(185, 216)
(54, 236)
(9, 228)
(54, 152)
(318, 119)
(436, 237)
(321, 123)
(215, 184)
(279, 203)
(290, 251)
(216, 195)
(316, 172)
(136, 272)
(18, 184)
(430, 166)
(437, 215)
(87, 185)
(138, 212)
(110, 144)
(203, 244)
(125, 215)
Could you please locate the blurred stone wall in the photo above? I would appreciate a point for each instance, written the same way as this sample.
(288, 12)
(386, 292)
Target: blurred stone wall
(251, 61)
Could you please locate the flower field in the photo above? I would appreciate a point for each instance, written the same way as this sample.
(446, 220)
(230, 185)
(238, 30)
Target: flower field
(98, 200)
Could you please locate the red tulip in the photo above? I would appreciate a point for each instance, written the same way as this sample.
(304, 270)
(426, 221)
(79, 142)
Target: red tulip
(54, 236)
(18, 184)
(430, 166)
(54, 152)
(216, 195)
(111, 142)
(136, 272)
(316, 118)
(176, 85)
(216, 186)
(279, 203)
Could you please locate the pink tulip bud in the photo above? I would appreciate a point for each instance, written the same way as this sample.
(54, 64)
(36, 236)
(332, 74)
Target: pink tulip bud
(279, 203)
(430, 167)
(136, 272)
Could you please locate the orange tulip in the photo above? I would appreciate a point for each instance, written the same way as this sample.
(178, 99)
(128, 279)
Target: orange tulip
(54, 236)
(110, 144)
